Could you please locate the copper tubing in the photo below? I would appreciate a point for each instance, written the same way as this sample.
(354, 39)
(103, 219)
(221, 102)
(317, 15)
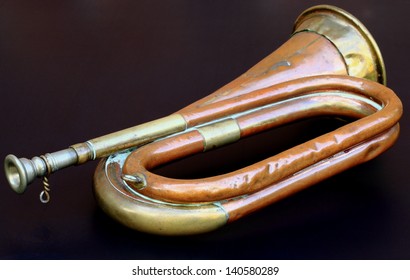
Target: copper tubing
(257, 176)
(330, 66)
(238, 208)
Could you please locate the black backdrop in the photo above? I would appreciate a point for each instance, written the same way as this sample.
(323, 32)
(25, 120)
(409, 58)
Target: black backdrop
(74, 70)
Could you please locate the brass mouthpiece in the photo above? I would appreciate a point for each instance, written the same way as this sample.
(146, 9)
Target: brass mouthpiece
(22, 171)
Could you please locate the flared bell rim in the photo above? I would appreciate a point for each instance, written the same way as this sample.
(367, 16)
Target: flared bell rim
(348, 20)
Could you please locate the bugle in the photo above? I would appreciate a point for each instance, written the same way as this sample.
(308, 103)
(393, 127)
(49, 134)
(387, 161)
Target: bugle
(330, 66)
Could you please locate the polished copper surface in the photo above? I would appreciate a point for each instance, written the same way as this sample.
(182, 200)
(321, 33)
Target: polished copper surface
(327, 69)
(75, 70)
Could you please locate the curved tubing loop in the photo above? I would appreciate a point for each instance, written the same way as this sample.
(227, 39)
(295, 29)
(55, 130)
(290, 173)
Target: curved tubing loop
(328, 100)
(145, 214)
(268, 181)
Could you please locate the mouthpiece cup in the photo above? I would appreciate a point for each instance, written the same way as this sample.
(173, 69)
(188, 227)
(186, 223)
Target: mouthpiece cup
(16, 173)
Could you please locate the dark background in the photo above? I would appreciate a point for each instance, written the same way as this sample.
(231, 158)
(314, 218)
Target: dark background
(74, 70)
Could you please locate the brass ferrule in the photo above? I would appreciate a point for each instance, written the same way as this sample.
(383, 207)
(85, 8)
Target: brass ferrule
(219, 133)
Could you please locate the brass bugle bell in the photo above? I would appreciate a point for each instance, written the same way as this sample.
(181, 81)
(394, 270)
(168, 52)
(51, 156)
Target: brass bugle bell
(330, 66)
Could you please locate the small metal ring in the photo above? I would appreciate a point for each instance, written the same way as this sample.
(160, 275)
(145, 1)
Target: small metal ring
(91, 146)
(44, 197)
(48, 166)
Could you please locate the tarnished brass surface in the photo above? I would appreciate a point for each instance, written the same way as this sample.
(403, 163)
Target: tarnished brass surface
(148, 216)
(330, 66)
(137, 135)
(21, 172)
